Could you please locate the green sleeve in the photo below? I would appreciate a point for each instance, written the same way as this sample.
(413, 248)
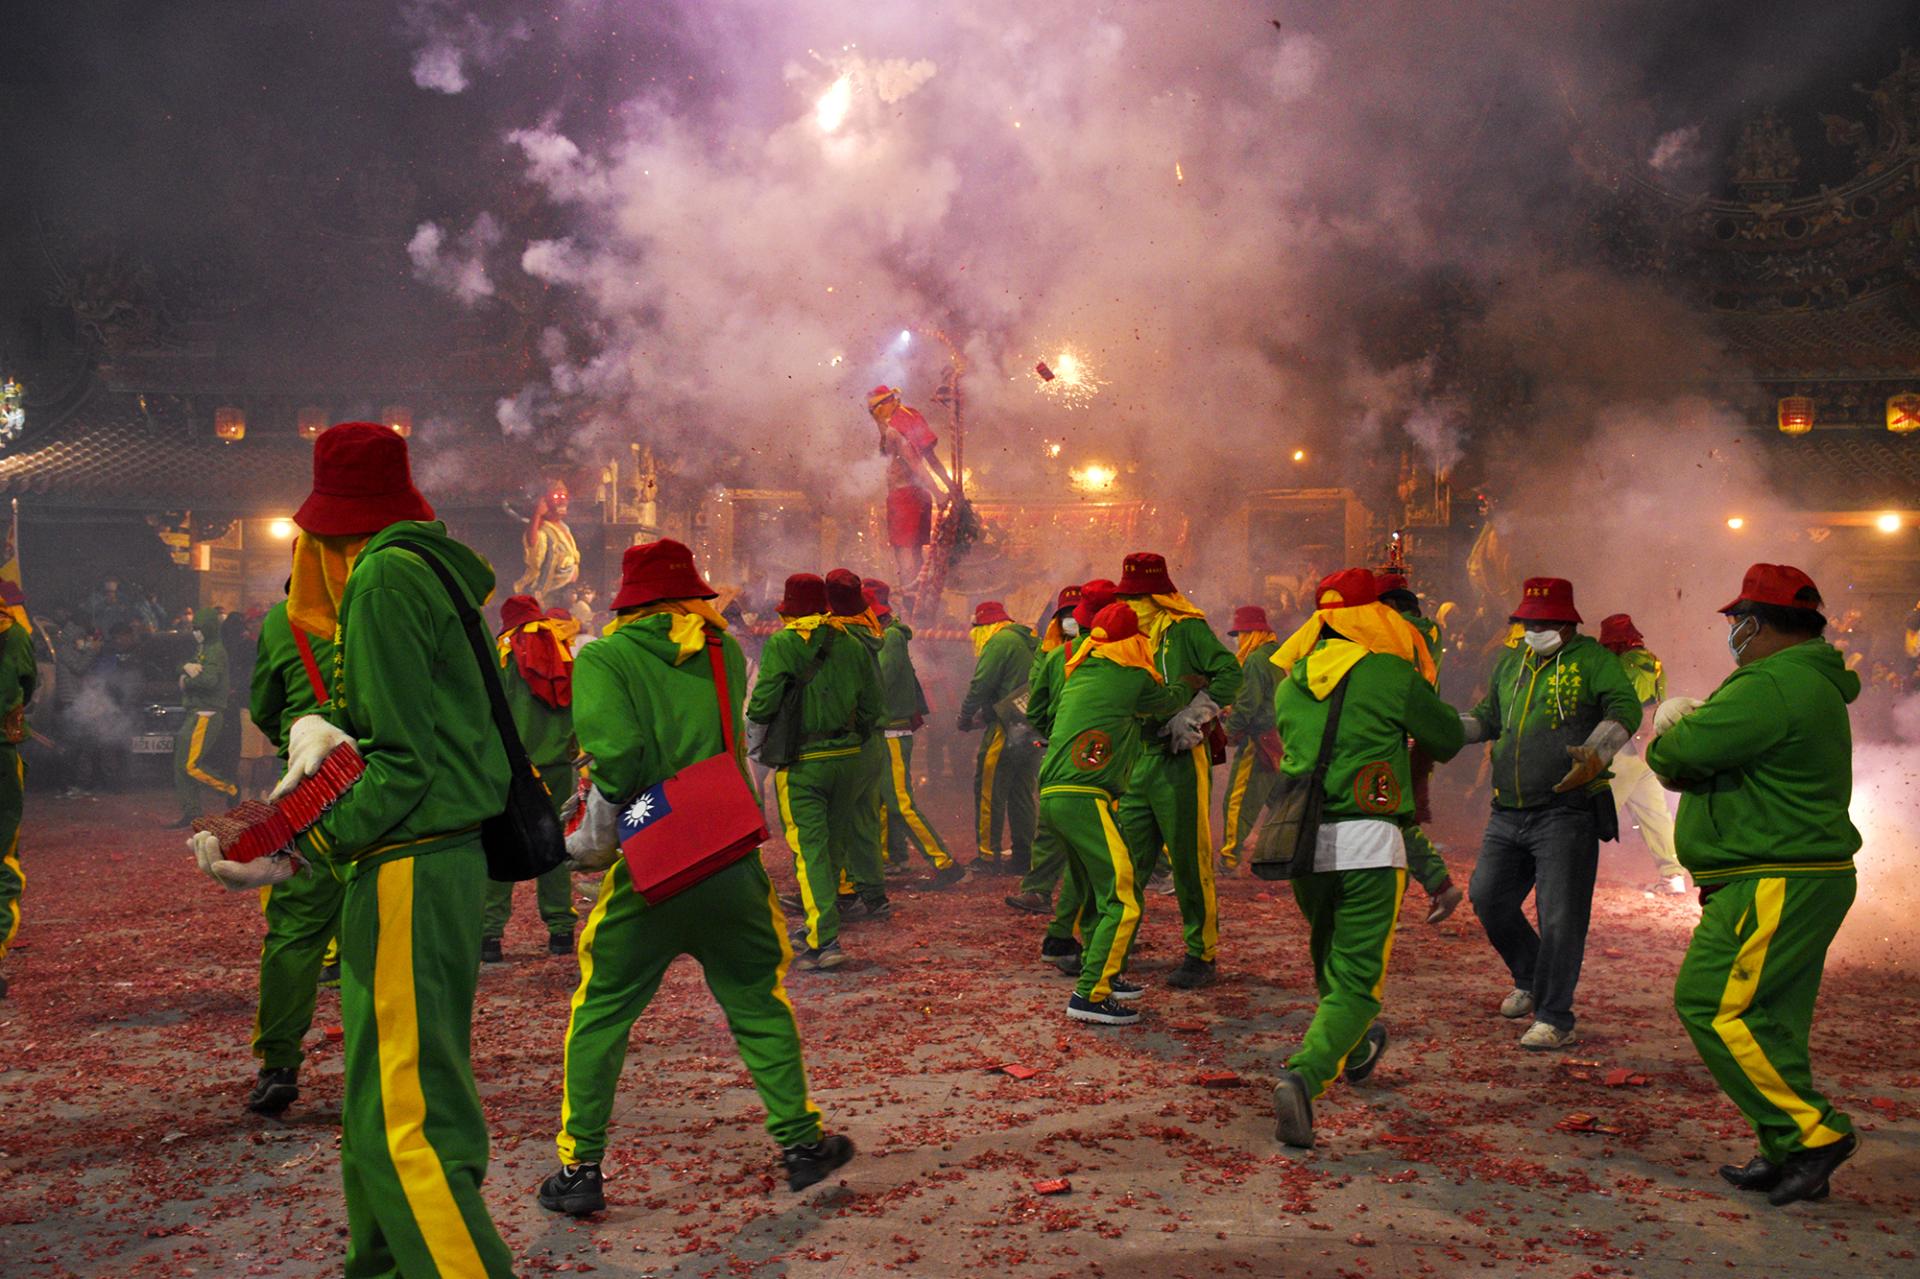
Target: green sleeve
(1431, 722)
(1487, 710)
(611, 724)
(18, 674)
(870, 702)
(211, 682)
(267, 696)
(992, 676)
(1737, 725)
(1254, 702)
(896, 671)
(1617, 696)
(1040, 695)
(779, 664)
(1204, 654)
(1160, 702)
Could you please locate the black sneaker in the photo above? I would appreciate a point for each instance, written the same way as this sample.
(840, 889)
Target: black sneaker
(791, 903)
(1293, 1111)
(1125, 992)
(1372, 1046)
(1108, 1012)
(575, 1190)
(852, 908)
(824, 958)
(1756, 1174)
(1192, 974)
(490, 951)
(330, 975)
(559, 943)
(809, 1164)
(876, 908)
(274, 1090)
(1804, 1175)
(947, 876)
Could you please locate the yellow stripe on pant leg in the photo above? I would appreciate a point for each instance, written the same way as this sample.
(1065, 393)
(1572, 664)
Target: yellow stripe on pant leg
(564, 1142)
(1123, 888)
(197, 744)
(989, 768)
(12, 860)
(1769, 896)
(792, 830)
(1386, 956)
(423, 1179)
(1236, 799)
(1203, 793)
(916, 824)
(780, 986)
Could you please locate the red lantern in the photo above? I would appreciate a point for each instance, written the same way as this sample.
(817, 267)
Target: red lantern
(1903, 413)
(230, 423)
(400, 418)
(1796, 414)
(313, 420)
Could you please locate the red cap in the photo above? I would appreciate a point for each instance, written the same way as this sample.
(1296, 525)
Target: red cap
(1778, 584)
(806, 595)
(844, 596)
(1116, 622)
(1094, 596)
(880, 394)
(1349, 588)
(1619, 633)
(1069, 597)
(361, 482)
(1249, 617)
(658, 571)
(989, 612)
(517, 610)
(1391, 579)
(1144, 573)
(1546, 599)
(879, 594)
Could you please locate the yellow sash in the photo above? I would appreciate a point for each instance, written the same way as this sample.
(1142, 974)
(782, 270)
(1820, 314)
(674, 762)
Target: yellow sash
(1250, 640)
(981, 634)
(1369, 628)
(320, 569)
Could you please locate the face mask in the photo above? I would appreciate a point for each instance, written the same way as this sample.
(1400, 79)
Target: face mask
(198, 638)
(1543, 643)
(1738, 646)
(1069, 628)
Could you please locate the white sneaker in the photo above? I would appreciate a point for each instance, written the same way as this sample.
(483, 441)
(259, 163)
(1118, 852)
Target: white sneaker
(1517, 1005)
(1541, 1037)
(1677, 884)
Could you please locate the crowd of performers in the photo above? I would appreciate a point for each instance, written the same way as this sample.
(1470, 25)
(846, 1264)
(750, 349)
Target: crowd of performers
(1100, 739)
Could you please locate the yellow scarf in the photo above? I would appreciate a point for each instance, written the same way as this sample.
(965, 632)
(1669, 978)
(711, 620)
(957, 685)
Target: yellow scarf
(866, 619)
(1158, 612)
(1056, 637)
(1250, 640)
(981, 634)
(1368, 628)
(806, 624)
(563, 632)
(1132, 651)
(320, 569)
(691, 619)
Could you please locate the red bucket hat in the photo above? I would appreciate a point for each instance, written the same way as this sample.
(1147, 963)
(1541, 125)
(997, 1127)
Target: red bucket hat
(879, 594)
(1144, 573)
(1116, 622)
(517, 610)
(1069, 598)
(361, 482)
(1546, 599)
(806, 595)
(989, 612)
(1349, 588)
(1391, 579)
(844, 596)
(1094, 596)
(1249, 617)
(658, 571)
(1619, 634)
(1782, 585)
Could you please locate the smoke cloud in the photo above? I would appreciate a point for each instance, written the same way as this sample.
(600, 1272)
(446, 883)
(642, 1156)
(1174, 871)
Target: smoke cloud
(449, 40)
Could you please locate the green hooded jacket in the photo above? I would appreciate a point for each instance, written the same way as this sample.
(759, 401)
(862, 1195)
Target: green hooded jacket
(282, 691)
(407, 686)
(906, 700)
(1765, 770)
(18, 673)
(1369, 776)
(644, 714)
(1044, 678)
(1098, 722)
(207, 691)
(1001, 671)
(1536, 708)
(840, 708)
(546, 731)
(1189, 647)
(1252, 712)
(1436, 642)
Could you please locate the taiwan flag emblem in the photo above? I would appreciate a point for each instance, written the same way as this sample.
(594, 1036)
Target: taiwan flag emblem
(643, 810)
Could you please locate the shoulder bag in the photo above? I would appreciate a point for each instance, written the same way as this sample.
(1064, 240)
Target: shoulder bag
(1285, 846)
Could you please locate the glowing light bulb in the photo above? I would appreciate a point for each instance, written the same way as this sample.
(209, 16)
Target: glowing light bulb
(1889, 523)
(830, 112)
(1299, 455)
(1093, 477)
(282, 529)
(1736, 523)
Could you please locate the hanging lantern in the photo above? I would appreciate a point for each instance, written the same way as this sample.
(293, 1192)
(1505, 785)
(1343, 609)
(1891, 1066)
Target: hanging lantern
(1903, 413)
(313, 420)
(1796, 414)
(400, 418)
(230, 423)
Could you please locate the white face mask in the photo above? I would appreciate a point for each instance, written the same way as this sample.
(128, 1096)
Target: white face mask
(1069, 628)
(198, 638)
(1738, 646)
(1543, 643)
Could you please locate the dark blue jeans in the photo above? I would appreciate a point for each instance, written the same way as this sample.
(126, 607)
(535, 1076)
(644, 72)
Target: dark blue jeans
(1552, 853)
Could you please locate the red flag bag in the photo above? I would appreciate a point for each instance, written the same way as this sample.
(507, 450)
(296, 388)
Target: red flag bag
(703, 819)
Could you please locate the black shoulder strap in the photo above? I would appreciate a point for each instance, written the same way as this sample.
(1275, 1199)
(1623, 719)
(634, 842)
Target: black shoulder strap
(483, 653)
(1334, 704)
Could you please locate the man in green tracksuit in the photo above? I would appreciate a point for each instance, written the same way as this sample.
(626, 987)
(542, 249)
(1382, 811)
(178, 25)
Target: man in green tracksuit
(1169, 803)
(906, 711)
(1111, 685)
(291, 671)
(203, 695)
(1556, 698)
(1073, 913)
(1250, 729)
(1035, 892)
(1636, 791)
(1424, 862)
(406, 838)
(536, 674)
(645, 707)
(1351, 898)
(18, 676)
(864, 870)
(1765, 772)
(1004, 773)
(825, 795)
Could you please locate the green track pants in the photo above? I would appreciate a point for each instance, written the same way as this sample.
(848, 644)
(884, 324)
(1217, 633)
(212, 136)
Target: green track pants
(866, 863)
(1250, 785)
(902, 819)
(413, 1145)
(1005, 777)
(1351, 917)
(13, 805)
(1746, 992)
(827, 810)
(194, 784)
(1169, 805)
(1082, 819)
(303, 917)
(732, 925)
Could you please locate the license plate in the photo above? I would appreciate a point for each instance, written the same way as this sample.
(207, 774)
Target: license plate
(152, 744)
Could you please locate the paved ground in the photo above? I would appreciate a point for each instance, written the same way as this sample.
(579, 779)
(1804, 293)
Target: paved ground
(125, 1151)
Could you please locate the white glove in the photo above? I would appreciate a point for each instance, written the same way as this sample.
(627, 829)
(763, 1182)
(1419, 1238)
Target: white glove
(262, 872)
(596, 842)
(1606, 739)
(308, 743)
(1187, 728)
(1475, 730)
(1672, 711)
(192, 670)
